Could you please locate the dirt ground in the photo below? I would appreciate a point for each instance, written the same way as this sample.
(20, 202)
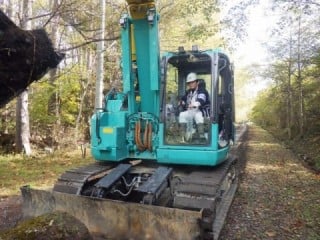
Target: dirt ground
(278, 198)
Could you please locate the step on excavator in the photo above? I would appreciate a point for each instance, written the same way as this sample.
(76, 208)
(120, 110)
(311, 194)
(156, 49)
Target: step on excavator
(152, 180)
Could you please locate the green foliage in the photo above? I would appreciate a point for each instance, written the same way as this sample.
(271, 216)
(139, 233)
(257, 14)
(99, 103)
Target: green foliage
(69, 94)
(312, 99)
(38, 103)
(270, 107)
(65, 91)
(7, 115)
(266, 110)
(186, 23)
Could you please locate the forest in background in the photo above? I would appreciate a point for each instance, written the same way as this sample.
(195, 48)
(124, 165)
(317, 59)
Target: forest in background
(289, 106)
(61, 103)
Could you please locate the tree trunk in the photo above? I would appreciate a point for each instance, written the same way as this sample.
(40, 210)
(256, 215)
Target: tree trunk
(100, 58)
(22, 117)
(289, 92)
(85, 81)
(300, 86)
(55, 98)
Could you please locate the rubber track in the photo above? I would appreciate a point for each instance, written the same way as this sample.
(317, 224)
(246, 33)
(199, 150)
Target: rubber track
(73, 180)
(199, 188)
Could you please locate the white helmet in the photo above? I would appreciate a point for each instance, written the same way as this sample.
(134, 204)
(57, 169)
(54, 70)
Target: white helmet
(191, 77)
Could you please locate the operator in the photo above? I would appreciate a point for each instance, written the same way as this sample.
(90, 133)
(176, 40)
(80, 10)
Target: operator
(193, 102)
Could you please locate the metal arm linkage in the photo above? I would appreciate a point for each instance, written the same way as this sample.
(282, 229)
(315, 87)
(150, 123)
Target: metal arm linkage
(139, 8)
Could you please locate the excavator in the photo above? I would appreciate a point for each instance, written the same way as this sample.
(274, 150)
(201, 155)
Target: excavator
(150, 180)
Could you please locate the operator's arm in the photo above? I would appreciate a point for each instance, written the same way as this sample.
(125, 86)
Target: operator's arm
(183, 101)
(202, 99)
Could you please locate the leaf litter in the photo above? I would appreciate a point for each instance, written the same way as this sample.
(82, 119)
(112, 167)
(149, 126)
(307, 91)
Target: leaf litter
(278, 198)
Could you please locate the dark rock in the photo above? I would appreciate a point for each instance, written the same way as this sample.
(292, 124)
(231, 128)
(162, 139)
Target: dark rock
(25, 56)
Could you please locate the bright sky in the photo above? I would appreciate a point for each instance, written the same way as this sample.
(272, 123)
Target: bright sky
(252, 50)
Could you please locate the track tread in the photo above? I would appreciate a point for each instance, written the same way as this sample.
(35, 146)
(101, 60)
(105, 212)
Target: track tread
(200, 186)
(202, 190)
(73, 180)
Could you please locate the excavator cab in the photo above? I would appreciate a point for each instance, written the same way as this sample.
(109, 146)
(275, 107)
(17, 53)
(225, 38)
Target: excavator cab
(215, 74)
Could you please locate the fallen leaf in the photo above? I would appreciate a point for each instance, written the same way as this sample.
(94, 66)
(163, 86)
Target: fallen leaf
(271, 233)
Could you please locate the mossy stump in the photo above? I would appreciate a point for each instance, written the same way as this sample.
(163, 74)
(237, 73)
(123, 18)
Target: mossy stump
(50, 226)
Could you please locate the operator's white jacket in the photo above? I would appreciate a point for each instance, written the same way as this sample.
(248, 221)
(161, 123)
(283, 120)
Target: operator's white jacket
(195, 103)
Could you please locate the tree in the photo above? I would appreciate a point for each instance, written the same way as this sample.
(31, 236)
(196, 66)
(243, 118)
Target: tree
(100, 58)
(234, 21)
(186, 23)
(54, 100)
(22, 112)
(296, 45)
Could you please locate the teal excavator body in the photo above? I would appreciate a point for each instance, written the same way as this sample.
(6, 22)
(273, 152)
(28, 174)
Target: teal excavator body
(150, 180)
(140, 121)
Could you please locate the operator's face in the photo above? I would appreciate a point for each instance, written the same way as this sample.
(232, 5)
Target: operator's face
(192, 85)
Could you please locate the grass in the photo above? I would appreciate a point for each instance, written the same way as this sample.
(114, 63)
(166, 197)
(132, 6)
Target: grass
(39, 170)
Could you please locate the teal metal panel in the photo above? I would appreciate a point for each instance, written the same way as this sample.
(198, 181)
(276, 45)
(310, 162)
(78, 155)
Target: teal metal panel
(112, 154)
(128, 75)
(214, 136)
(146, 155)
(147, 52)
(114, 105)
(192, 156)
(126, 56)
(108, 136)
(161, 134)
(113, 119)
(112, 146)
(154, 70)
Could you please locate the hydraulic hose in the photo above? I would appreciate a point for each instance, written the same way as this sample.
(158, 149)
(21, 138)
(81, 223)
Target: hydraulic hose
(139, 144)
(149, 139)
(147, 136)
